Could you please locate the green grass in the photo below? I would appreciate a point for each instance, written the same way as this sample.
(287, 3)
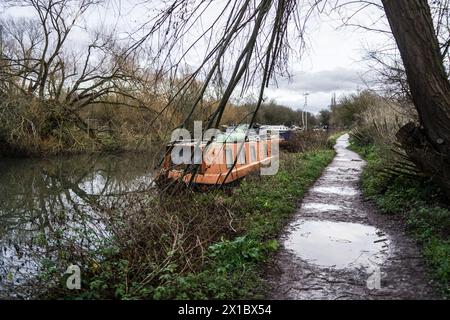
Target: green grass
(420, 202)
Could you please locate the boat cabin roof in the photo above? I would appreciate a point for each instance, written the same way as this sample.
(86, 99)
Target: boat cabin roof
(224, 138)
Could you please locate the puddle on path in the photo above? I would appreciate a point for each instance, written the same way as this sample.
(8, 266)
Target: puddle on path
(335, 177)
(321, 207)
(342, 191)
(342, 170)
(340, 245)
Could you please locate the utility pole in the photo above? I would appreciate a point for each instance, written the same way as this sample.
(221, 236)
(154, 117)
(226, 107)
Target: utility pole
(305, 112)
(303, 119)
(1, 40)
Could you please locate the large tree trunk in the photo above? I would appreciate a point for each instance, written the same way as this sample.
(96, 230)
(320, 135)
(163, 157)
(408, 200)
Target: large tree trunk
(428, 145)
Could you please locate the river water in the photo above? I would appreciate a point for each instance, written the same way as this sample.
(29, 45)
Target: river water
(47, 202)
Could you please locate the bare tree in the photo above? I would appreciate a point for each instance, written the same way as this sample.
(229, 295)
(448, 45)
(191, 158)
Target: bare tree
(387, 73)
(247, 45)
(428, 145)
(39, 61)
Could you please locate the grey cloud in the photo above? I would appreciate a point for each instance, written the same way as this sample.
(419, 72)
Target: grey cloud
(323, 81)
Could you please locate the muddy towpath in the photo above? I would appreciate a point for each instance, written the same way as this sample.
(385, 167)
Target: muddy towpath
(339, 247)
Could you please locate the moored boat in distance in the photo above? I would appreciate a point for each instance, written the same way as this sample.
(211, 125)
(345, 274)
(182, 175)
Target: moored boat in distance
(227, 158)
(284, 132)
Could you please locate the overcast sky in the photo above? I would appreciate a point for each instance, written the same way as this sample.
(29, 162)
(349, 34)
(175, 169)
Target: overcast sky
(332, 63)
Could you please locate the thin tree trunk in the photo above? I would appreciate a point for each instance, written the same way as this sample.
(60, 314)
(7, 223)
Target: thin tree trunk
(428, 145)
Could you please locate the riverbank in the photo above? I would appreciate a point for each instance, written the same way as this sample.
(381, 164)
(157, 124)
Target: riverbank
(194, 246)
(418, 203)
(39, 148)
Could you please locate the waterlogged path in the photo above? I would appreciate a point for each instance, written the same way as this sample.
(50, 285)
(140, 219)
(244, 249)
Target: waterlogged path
(339, 247)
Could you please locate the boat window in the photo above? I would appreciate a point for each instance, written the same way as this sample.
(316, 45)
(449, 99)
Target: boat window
(252, 153)
(242, 159)
(229, 157)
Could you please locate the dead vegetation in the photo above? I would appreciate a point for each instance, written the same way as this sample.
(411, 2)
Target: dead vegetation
(302, 141)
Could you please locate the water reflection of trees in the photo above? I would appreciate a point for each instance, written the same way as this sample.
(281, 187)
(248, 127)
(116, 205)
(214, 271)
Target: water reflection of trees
(46, 205)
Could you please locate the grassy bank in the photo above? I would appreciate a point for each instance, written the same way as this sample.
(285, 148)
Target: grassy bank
(198, 245)
(333, 138)
(421, 204)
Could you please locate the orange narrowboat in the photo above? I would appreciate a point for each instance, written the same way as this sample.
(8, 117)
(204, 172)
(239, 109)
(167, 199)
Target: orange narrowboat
(227, 158)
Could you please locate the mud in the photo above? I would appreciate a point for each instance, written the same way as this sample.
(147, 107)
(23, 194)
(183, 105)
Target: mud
(339, 247)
